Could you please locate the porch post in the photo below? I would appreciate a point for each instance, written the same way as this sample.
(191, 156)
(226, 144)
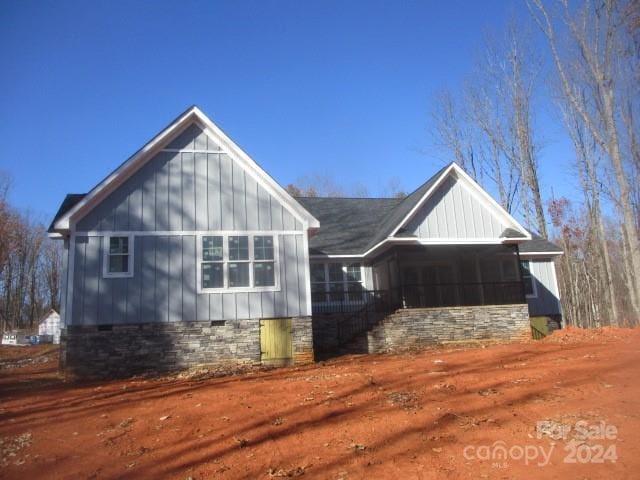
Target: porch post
(522, 293)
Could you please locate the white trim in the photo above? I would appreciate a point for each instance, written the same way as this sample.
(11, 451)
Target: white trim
(225, 268)
(484, 197)
(434, 241)
(182, 233)
(320, 257)
(460, 241)
(307, 273)
(134, 163)
(105, 257)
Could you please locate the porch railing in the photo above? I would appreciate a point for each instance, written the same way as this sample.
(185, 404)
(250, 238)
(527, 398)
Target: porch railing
(357, 302)
(423, 296)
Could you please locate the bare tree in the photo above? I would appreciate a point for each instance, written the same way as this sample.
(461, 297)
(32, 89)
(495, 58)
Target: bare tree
(519, 73)
(587, 166)
(453, 132)
(489, 131)
(588, 70)
(30, 266)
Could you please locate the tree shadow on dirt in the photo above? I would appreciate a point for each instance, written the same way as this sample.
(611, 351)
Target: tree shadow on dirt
(206, 451)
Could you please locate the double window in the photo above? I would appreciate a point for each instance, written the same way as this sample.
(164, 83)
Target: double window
(336, 282)
(118, 256)
(237, 262)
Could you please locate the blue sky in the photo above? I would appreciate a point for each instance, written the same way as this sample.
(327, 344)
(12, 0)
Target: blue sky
(337, 88)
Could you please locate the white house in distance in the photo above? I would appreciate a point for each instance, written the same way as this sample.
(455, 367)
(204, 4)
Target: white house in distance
(50, 325)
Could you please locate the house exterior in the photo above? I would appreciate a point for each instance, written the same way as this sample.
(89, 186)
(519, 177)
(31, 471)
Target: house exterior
(49, 326)
(189, 253)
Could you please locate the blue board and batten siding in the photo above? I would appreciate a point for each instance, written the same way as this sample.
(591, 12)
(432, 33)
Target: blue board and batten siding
(547, 299)
(191, 189)
(453, 211)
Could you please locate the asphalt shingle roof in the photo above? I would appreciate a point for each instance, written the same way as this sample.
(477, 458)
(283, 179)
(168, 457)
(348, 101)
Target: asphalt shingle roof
(347, 225)
(539, 245)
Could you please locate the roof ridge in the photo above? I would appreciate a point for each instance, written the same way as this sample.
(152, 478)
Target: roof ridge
(348, 198)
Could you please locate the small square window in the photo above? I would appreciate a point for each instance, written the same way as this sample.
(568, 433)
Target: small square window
(117, 258)
(263, 247)
(353, 272)
(212, 275)
(239, 248)
(118, 263)
(264, 274)
(238, 274)
(119, 245)
(212, 249)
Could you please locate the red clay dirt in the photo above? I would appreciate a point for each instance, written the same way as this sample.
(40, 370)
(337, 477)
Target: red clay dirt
(437, 413)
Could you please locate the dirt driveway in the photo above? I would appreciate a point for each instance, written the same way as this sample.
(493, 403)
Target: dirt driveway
(440, 413)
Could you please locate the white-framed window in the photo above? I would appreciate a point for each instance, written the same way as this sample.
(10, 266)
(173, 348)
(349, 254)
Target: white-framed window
(264, 265)
(530, 289)
(336, 282)
(237, 262)
(212, 266)
(117, 260)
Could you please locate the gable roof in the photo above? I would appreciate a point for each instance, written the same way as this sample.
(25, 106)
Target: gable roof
(77, 206)
(428, 189)
(352, 226)
(355, 226)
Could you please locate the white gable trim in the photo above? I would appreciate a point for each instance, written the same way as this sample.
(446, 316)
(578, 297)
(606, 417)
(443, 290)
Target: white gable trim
(476, 190)
(133, 164)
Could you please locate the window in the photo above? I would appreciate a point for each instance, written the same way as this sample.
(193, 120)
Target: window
(353, 277)
(237, 262)
(528, 279)
(336, 282)
(118, 256)
(263, 264)
(212, 262)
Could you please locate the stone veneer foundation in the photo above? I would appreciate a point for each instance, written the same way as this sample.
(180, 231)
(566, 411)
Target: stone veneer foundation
(116, 351)
(411, 328)
(422, 326)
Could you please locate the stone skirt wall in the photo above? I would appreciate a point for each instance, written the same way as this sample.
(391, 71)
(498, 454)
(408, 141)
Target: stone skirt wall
(117, 351)
(422, 326)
